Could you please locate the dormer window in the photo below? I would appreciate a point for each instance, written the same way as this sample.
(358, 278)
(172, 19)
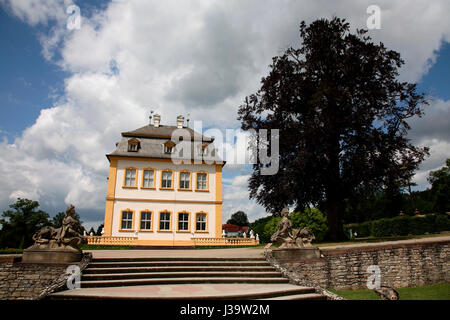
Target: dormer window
(133, 145)
(169, 146)
(202, 149)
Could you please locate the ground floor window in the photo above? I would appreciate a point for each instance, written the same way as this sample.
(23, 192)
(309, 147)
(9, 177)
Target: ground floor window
(183, 221)
(164, 221)
(146, 220)
(127, 220)
(200, 223)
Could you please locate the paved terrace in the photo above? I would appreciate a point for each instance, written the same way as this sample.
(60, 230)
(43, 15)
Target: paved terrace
(238, 252)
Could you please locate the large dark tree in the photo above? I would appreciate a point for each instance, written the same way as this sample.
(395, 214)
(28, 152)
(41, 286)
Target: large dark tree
(341, 115)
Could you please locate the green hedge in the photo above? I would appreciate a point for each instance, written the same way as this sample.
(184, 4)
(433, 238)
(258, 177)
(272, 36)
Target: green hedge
(401, 226)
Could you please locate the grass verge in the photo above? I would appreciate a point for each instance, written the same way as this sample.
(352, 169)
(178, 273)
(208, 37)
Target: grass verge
(432, 292)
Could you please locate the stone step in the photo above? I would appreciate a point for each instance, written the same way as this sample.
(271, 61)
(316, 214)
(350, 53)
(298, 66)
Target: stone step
(301, 296)
(169, 269)
(160, 281)
(142, 259)
(147, 275)
(265, 291)
(176, 263)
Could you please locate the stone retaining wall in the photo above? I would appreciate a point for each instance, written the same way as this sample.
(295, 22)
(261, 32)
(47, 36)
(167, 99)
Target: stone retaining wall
(33, 281)
(401, 265)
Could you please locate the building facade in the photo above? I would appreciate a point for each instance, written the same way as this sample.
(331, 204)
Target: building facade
(164, 186)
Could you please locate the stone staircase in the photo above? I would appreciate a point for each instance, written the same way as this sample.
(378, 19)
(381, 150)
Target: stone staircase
(253, 278)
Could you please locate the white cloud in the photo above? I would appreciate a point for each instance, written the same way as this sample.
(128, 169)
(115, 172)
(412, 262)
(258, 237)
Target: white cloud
(175, 57)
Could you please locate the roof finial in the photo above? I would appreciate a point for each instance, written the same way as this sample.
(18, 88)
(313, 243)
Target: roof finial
(187, 120)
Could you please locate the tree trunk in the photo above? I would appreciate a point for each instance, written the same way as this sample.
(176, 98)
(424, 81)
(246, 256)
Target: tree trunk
(334, 216)
(334, 201)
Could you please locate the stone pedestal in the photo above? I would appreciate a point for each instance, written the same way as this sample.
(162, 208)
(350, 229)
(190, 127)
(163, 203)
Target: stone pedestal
(293, 254)
(64, 255)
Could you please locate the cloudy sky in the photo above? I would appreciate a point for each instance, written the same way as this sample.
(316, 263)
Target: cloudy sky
(66, 93)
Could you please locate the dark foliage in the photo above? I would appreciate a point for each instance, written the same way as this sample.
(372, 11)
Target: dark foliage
(239, 218)
(19, 224)
(401, 226)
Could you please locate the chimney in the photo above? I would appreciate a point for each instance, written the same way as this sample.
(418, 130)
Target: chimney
(180, 122)
(156, 120)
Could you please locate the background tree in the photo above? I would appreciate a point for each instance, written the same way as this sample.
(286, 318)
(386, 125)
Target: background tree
(341, 115)
(19, 224)
(91, 231)
(239, 218)
(58, 219)
(258, 228)
(99, 230)
(440, 188)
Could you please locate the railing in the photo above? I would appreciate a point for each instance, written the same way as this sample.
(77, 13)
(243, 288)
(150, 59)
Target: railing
(225, 241)
(124, 241)
(131, 241)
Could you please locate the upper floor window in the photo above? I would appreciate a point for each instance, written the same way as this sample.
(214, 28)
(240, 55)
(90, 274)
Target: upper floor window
(130, 177)
(148, 178)
(185, 180)
(202, 181)
(166, 179)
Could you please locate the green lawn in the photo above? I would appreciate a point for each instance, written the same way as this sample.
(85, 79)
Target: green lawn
(433, 292)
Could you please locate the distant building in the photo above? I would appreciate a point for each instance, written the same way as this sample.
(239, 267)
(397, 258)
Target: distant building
(156, 200)
(232, 230)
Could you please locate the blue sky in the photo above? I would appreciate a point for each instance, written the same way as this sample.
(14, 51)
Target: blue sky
(67, 94)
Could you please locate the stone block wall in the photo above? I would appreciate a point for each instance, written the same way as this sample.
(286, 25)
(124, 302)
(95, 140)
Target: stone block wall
(401, 265)
(31, 281)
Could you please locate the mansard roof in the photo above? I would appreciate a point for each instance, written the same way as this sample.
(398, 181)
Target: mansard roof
(153, 139)
(163, 132)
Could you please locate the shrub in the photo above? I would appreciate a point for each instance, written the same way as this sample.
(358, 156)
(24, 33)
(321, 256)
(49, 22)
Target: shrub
(401, 226)
(270, 228)
(313, 219)
(442, 223)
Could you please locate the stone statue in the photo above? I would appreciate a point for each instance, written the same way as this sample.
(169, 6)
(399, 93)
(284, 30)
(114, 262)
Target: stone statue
(387, 293)
(252, 235)
(63, 242)
(287, 237)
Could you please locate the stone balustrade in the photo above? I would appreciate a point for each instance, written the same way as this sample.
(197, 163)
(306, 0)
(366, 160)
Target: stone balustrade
(225, 241)
(102, 240)
(133, 241)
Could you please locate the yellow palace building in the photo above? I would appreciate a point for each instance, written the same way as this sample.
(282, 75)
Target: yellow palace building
(153, 199)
